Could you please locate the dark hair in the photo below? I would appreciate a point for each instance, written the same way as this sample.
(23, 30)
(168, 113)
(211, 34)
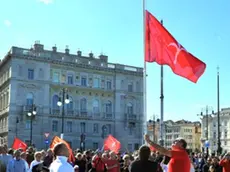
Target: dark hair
(58, 148)
(144, 152)
(184, 143)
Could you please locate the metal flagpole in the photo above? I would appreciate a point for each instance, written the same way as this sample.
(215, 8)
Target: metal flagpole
(162, 103)
(144, 78)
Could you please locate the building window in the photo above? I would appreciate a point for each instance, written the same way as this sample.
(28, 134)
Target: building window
(19, 70)
(55, 126)
(225, 123)
(28, 122)
(95, 128)
(70, 79)
(56, 77)
(109, 128)
(55, 101)
(96, 83)
(95, 145)
(70, 104)
(137, 86)
(83, 81)
(108, 107)
(29, 99)
(108, 85)
(214, 124)
(31, 74)
(96, 107)
(129, 108)
(83, 105)
(82, 125)
(69, 126)
(41, 73)
(130, 87)
(226, 134)
(225, 143)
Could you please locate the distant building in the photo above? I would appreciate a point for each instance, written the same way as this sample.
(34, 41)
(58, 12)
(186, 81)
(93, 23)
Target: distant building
(185, 129)
(210, 122)
(105, 98)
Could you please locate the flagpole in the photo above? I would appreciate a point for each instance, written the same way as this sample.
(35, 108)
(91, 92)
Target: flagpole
(144, 77)
(162, 102)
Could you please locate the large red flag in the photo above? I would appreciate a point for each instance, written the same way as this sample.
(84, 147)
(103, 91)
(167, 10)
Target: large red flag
(112, 144)
(18, 144)
(161, 47)
(57, 140)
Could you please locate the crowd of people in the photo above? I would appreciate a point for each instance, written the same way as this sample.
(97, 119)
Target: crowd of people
(144, 160)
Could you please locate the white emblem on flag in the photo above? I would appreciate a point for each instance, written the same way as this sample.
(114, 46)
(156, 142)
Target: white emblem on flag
(179, 48)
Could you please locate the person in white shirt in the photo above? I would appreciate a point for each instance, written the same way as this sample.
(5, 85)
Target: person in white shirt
(36, 161)
(60, 164)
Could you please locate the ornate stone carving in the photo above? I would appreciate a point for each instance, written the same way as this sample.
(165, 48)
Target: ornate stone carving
(30, 86)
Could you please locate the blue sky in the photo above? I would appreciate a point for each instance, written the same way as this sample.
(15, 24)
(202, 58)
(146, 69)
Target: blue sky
(116, 29)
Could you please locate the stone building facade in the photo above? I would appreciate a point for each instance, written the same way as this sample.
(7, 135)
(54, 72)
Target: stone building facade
(105, 98)
(209, 122)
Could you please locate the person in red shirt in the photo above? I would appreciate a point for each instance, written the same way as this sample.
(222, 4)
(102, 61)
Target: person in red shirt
(98, 162)
(112, 164)
(225, 162)
(179, 157)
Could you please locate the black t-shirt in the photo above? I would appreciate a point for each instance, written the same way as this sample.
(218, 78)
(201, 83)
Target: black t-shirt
(145, 166)
(81, 164)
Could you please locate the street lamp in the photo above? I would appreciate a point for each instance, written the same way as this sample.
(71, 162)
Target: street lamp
(104, 131)
(207, 109)
(61, 102)
(153, 121)
(31, 114)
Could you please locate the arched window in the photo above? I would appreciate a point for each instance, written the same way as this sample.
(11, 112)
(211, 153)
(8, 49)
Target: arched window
(55, 101)
(83, 105)
(130, 108)
(108, 107)
(70, 104)
(29, 99)
(96, 107)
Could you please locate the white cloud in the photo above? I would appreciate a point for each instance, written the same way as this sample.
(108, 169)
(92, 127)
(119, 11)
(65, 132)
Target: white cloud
(46, 1)
(7, 23)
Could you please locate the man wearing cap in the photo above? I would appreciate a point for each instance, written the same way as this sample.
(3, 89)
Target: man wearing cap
(179, 157)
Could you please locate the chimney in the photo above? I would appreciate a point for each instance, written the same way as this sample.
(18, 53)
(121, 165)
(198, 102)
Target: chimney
(79, 53)
(91, 54)
(103, 58)
(67, 49)
(38, 47)
(54, 48)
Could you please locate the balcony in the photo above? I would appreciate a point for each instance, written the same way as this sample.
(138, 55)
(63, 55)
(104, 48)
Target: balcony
(107, 115)
(131, 117)
(55, 112)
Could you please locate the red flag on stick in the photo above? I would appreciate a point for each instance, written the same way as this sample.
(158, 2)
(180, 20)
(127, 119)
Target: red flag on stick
(112, 144)
(161, 47)
(57, 140)
(18, 144)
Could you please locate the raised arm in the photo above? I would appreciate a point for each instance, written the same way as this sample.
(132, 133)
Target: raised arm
(159, 148)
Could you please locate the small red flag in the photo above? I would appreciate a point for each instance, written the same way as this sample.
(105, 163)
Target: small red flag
(112, 144)
(57, 140)
(18, 144)
(161, 47)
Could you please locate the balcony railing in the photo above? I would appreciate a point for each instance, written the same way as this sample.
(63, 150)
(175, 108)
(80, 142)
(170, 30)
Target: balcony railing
(131, 117)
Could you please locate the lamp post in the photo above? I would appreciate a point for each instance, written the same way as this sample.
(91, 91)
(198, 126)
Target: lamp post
(219, 149)
(31, 114)
(153, 121)
(104, 131)
(63, 99)
(207, 109)
(16, 132)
